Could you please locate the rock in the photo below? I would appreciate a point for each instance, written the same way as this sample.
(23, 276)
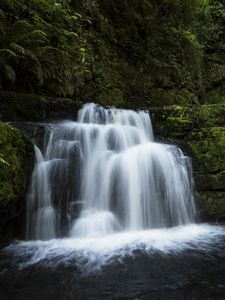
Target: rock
(212, 205)
(207, 147)
(200, 132)
(33, 108)
(33, 131)
(16, 164)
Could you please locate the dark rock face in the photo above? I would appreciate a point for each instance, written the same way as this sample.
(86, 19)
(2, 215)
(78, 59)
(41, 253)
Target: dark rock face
(33, 108)
(200, 132)
(16, 164)
(33, 131)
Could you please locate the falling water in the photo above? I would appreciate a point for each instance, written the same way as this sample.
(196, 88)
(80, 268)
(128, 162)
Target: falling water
(103, 174)
(41, 214)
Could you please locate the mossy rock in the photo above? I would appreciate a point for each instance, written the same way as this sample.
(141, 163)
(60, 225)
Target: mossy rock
(16, 163)
(179, 121)
(211, 205)
(173, 121)
(209, 115)
(209, 181)
(35, 108)
(200, 132)
(207, 147)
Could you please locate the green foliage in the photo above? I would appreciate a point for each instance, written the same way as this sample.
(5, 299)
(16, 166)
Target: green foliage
(11, 169)
(130, 53)
(40, 44)
(15, 161)
(2, 161)
(212, 205)
(214, 67)
(208, 147)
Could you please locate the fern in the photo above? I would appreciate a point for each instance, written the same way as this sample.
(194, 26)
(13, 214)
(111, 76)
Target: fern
(18, 48)
(40, 41)
(3, 162)
(8, 52)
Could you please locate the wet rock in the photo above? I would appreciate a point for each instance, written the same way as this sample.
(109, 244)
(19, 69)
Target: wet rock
(200, 132)
(34, 108)
(16, 164)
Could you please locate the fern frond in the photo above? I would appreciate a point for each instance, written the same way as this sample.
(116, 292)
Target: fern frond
(8, 52)
(2, 14)
(38, 73)
(10, 73)
(33, 37)
(3, 162)
(72, 34)
(38, 32)
(32, 56)
(22, 24)
(48, 49)
(18, 48)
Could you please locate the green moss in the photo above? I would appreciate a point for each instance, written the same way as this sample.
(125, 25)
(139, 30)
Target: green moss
(16, 161)
(207, 146)
(200, 132)
(173, 121)
(212, 204)
(178, 121)
(209, 115)
(208, 181)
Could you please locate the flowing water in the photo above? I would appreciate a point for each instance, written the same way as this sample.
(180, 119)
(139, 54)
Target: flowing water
(111, 215)
(107, 169)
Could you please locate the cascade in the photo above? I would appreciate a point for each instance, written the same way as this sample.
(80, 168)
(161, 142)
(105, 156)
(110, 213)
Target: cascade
(105, 174)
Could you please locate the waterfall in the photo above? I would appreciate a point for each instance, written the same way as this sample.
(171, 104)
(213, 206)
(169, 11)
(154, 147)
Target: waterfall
(104, 174)
(41, 219)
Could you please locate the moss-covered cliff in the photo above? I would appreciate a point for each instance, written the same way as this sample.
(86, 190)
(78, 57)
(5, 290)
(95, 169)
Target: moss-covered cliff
(200, 132)
(16, 162)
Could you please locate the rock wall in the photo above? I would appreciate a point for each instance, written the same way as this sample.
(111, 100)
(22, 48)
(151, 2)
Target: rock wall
(34, 108)
(200, 132)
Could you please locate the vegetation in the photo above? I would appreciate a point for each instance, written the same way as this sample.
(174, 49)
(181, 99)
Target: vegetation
(214, 55)
(133, 53)
(16, 161)
(39, 40)
(200, 132)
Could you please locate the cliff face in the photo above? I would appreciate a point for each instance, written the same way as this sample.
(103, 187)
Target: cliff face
(200, 132)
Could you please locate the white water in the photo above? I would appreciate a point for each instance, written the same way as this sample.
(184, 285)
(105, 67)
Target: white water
(105, 174)
(41, 216)
(91, 254)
